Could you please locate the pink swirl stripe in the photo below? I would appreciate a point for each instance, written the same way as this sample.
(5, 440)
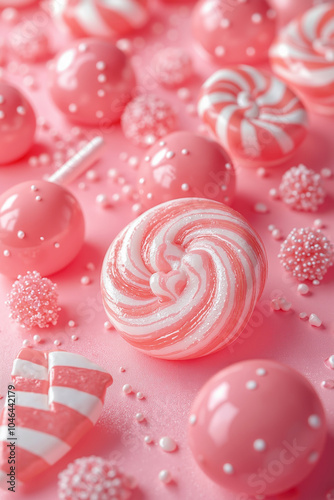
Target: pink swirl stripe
(303, 55)
(182, 280)
(254, 115)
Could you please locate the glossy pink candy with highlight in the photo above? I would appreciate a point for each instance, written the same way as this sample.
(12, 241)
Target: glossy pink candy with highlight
(183, 165)
(257, 427)
(181, 281)
(234, 32)
(58, 398)
(104, 18)
(91, 82)
(254, 115)
(41, 228)
(17, 124)
(303, 55)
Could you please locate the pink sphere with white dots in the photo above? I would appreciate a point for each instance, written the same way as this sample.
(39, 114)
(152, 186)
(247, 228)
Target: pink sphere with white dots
(184, 165)
(257, 427)
(17, 124)
(41, 228)
(91, 82)
(234, 32)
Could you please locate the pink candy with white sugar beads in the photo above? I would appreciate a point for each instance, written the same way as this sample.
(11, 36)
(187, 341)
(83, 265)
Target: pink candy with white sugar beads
(307, 254)
(91, 81)
(234, 32)
(301, 189)
(182, 165)
(257, 427)
(17, 124)
(94, 477)
(146, 119)
(172, 66)
(33, 301)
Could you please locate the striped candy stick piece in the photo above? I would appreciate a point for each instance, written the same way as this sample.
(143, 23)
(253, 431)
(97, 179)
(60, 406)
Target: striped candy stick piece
(104, 18)
(58, 398)
(255, 116)
(303, 55)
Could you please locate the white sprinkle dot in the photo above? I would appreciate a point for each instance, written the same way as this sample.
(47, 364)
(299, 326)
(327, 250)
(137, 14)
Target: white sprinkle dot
(185, 151)
(37, 339)
(314, 320)
(21, 110)
(100, 65)
(127, 389)
(165, 476)
(260, 208)
(122, 369)
(85, 280)
(251, 385)
(107, 325)
(167, 444)
(6, 253)
(101, 78)
(148, 439)
(140, 417)
(331, 361)
(314, 421)
(74, 337)
(303, 289)
(228, 469)
(303, 315)
(56, 342)
(26, 343)
(185, 187)
(259, 445)
(220, 51)
(73, 108)
(21, 235)
(82, 47)
(192, 419)
(170, 154)
(261, 372)
(140, 395)
(250, 51)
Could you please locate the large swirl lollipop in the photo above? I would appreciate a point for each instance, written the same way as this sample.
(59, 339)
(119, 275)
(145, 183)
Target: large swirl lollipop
(303, 55)
(182, 280)
(254, 115)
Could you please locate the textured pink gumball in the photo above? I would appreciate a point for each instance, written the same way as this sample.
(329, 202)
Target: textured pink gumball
(29, 44)
(33, 301)
(41, 228)
(172, 66)
(301, 189)
(17, 124)
(146, 119)
(234, 32)
(303, 55)
(182, 280)
(91, 82)
(254, 115)
(103, 18)
(184, 165)
(257, 427)
(307, 254)
(94, 478)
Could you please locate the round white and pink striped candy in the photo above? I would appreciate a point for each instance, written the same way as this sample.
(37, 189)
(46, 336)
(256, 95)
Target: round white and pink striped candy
(182, 280)
(104, 18)
(303, 55)
(234, 31)
(255, 116)
(58, 398)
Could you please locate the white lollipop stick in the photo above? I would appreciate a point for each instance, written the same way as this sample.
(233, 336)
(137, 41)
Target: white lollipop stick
(76, 165)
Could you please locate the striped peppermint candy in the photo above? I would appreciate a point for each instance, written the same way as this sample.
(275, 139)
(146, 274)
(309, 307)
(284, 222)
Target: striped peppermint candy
(103, 18)
(58, 398)
(182, 280)
(255, 116)
(303, 55)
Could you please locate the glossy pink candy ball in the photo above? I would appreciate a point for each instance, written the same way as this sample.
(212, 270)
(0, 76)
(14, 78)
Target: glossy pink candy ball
(257, 427)
(17, 124)
(41, 228)
(91, 82)
(234, 32)
(183, 165)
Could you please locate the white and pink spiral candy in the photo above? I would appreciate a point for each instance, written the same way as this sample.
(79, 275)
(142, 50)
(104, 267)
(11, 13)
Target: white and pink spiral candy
(182, 280)
(255, 116)
(303, 55)
(103, 18)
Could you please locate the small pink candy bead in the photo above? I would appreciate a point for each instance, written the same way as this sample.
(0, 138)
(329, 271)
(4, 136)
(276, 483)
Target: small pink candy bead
(255, 416)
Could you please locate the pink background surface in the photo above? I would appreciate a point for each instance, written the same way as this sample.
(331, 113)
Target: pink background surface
(170, 387)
